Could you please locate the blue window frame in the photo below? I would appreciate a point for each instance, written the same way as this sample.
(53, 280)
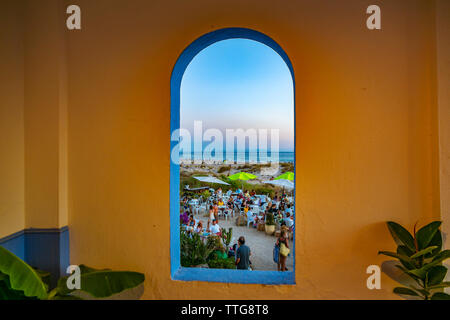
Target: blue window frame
(203, 274)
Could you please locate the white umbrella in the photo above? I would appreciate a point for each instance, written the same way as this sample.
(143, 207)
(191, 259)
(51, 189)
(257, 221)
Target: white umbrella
(281, 183)
(211, 180)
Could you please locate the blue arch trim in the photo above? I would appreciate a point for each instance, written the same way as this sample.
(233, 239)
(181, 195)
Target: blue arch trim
(199, 274)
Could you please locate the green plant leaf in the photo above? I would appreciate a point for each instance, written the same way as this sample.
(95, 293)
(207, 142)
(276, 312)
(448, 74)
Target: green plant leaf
(426, 234)
(423, 252)
(103, 283)
(85, 269)
(22, 277)
(436, 241)
(440, 296)
(405, 291)
(422, 272)
(401, 235)
(68, 297)
(436, 274)
(401, 257)
(443, 255)
(6, 293)
(3, 276)
(405, 251)
(442, 285)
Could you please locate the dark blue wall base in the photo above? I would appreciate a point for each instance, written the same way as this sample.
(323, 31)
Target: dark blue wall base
(45, 249)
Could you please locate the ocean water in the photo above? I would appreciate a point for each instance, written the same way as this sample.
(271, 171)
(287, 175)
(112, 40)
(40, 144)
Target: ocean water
(242, 157)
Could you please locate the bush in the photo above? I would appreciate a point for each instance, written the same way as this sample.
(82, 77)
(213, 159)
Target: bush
(222, 263)
(226, 236)
(193, 250)
(206, 194)
(215, 243)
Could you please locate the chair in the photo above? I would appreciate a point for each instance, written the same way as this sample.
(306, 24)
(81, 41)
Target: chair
(250, 218)
(226, 212)
(263, 207)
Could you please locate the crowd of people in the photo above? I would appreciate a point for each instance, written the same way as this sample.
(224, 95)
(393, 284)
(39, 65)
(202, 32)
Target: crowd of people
(241, 202)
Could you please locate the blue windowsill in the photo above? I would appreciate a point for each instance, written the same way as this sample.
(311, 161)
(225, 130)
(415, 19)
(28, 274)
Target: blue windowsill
(234, 276)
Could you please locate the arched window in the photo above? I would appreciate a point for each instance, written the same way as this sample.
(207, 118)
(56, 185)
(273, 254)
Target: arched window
(217, 133)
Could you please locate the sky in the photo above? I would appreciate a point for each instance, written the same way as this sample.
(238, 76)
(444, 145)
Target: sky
(239, 83)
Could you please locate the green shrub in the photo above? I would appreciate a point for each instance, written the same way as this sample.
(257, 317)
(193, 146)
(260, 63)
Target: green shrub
(222, 263)
(193, 251)
(206, 194)
(226, 236)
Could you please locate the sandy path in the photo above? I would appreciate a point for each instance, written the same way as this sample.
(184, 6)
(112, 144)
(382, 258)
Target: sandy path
(261, 244)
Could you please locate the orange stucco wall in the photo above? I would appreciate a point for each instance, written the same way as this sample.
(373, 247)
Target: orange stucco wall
(12, 185)
(368, 139)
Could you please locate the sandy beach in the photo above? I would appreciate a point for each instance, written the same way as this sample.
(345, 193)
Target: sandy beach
(262, 171)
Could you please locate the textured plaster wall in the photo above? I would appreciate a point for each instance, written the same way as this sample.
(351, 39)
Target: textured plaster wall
(84, 130)
(367, 135)
(33, 116)
(443, 67)
(12, 187)
(45, 114)
(443, 76)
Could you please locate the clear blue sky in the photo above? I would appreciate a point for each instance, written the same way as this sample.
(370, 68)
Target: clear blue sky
(239, 83)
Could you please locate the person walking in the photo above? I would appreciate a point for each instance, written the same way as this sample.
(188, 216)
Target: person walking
(283, 244)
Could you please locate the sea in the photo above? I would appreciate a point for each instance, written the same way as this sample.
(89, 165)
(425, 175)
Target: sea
(239, 156)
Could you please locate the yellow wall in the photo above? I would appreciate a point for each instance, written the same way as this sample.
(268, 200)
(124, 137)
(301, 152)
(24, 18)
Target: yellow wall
(12, 205)
(45, 115)
(443, 63)
(443, 73)
(84, 130)
(33, 116)
(366, 135)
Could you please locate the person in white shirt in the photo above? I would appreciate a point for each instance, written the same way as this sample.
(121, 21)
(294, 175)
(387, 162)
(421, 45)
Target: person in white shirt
(215, 228)
(288, 220)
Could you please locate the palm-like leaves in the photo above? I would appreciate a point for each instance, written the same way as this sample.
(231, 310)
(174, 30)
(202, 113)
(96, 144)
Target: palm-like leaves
(19, 281)
(19, 277)
(421, 259)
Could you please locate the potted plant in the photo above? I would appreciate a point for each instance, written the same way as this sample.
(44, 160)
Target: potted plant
(420, 257)
(270, 224)
(19, 281)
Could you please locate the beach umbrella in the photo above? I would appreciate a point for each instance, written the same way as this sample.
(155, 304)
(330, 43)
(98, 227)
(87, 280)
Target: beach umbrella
(281, 183)
(210, 179)
(286, 176)
(243, 176)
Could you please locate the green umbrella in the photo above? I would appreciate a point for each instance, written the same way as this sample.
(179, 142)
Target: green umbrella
(244, 176)
(287, 176)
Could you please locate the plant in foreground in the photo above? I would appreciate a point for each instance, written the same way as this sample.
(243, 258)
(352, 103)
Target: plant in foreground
(19, 281)
(193, 251)
(420, 256)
